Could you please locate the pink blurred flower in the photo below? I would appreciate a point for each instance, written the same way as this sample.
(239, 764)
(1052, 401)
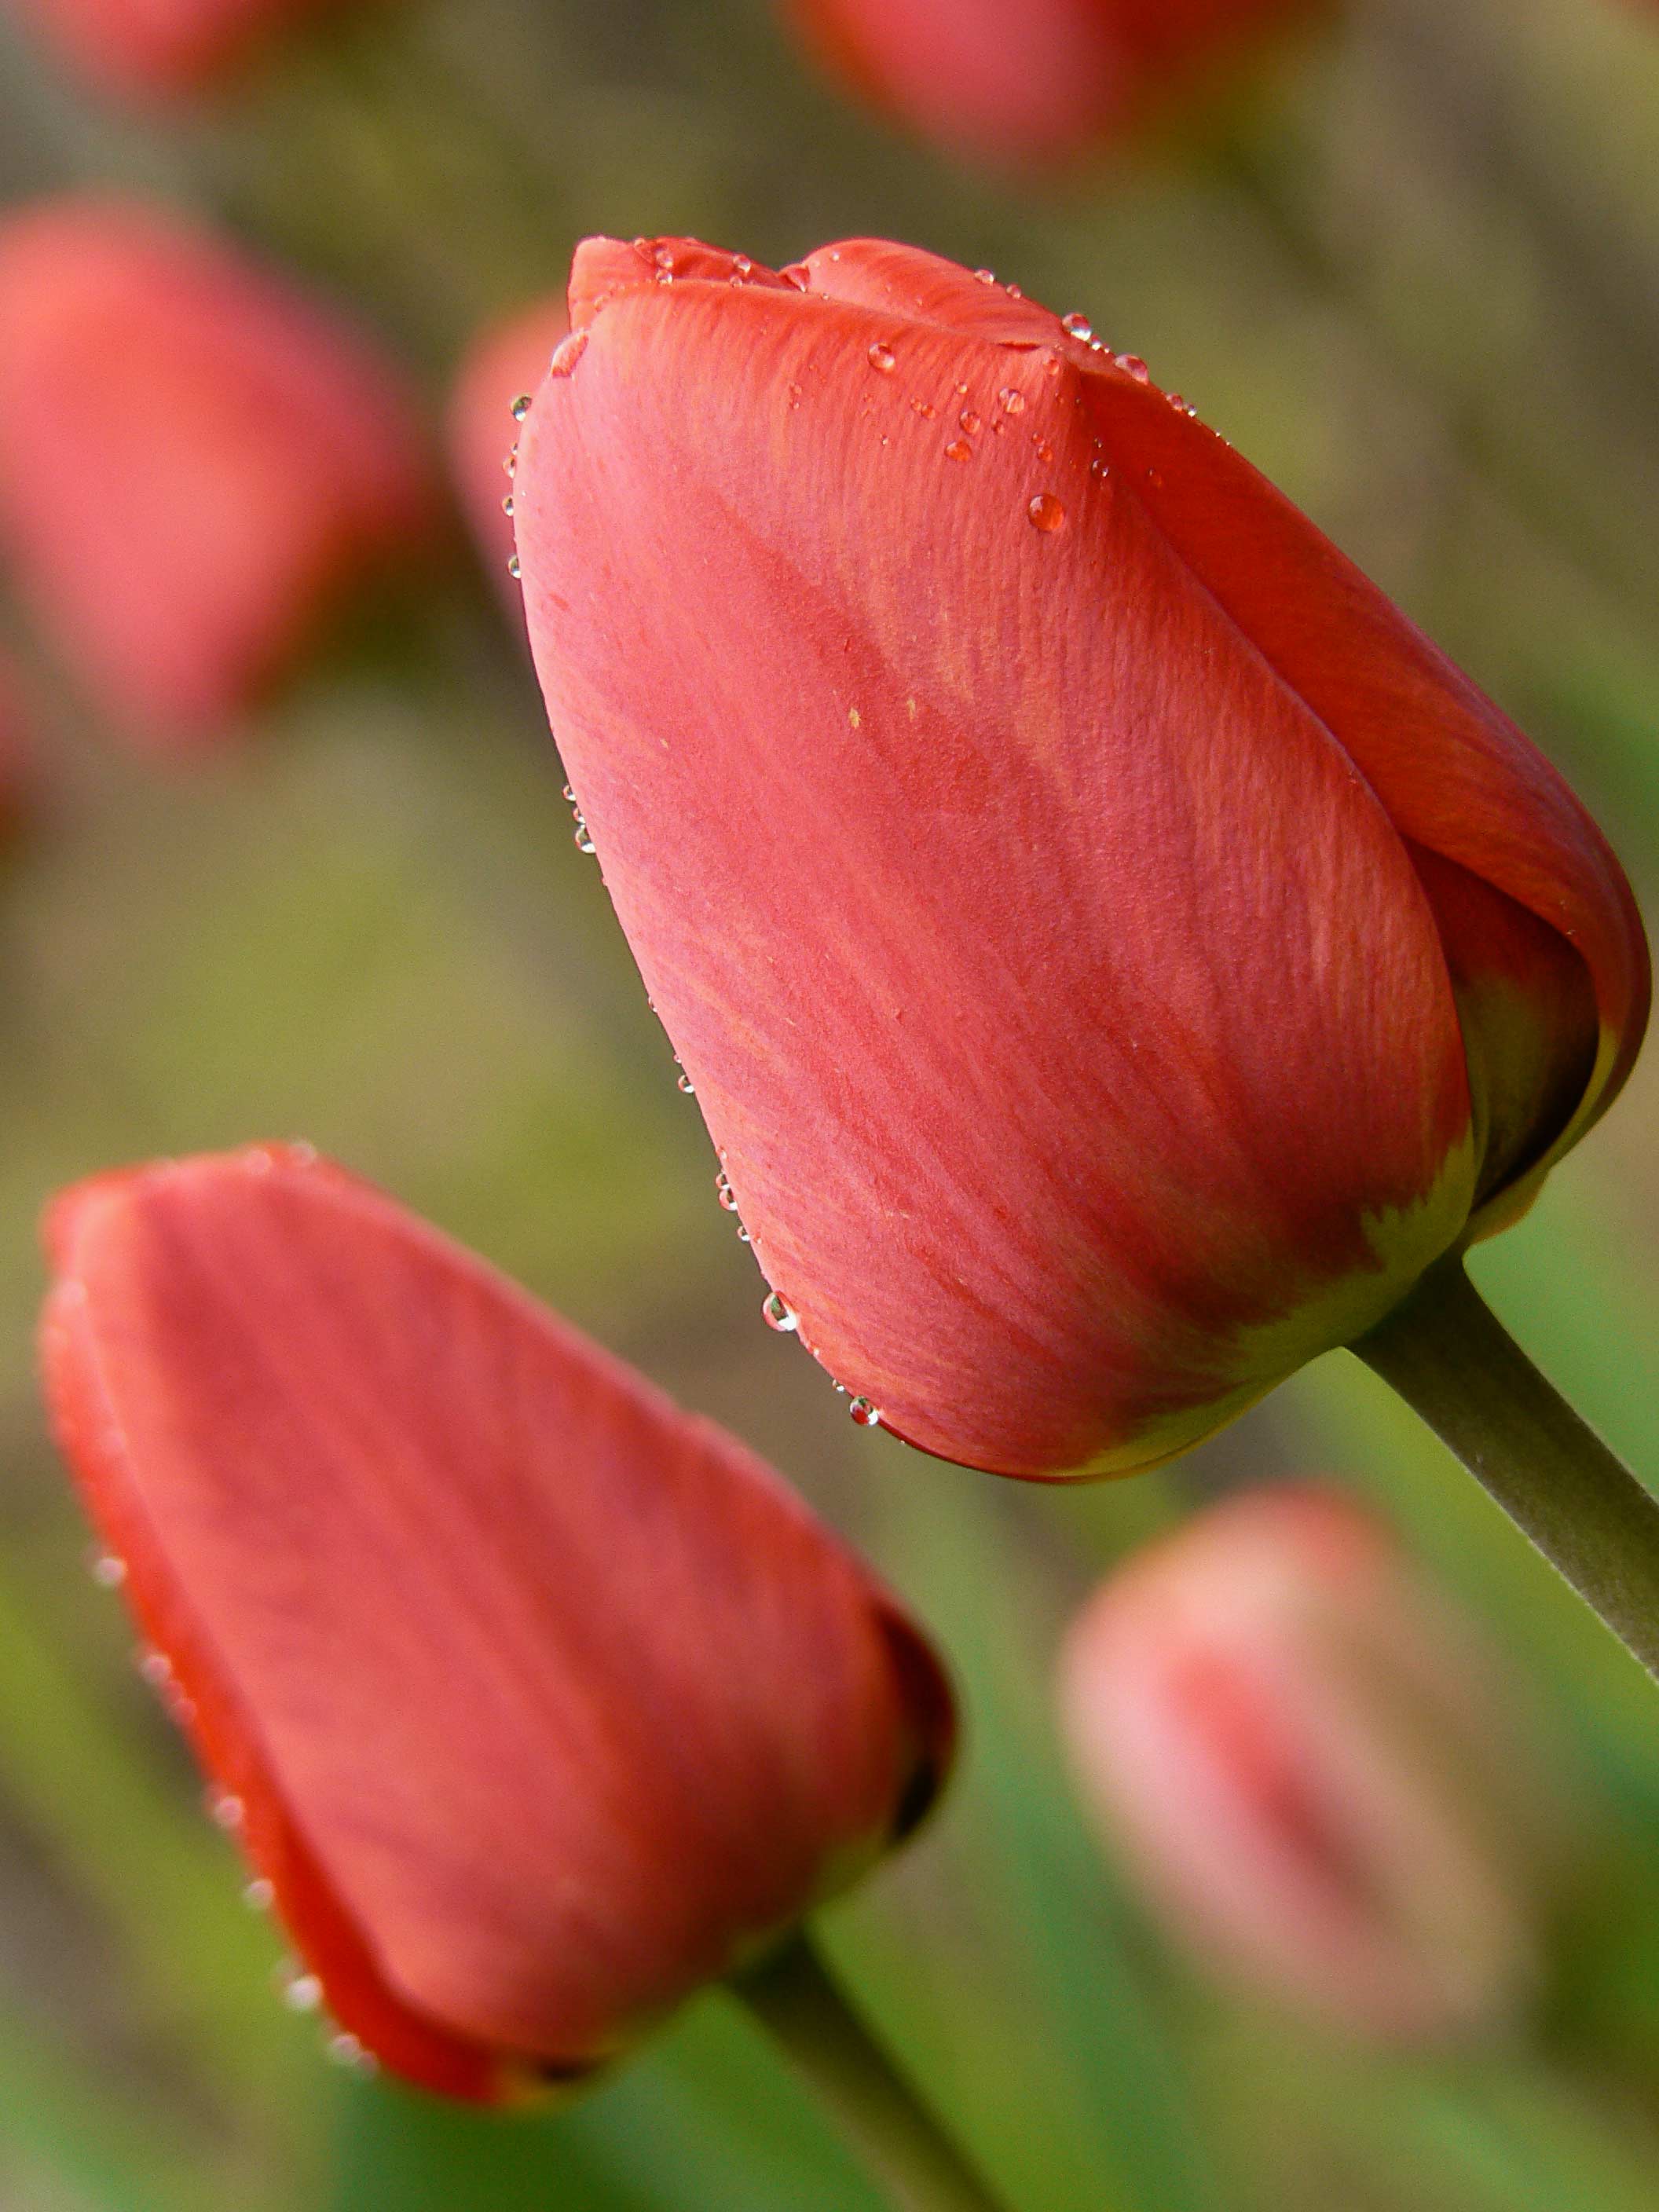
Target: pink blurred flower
(506, 359)
(1314, 1767)
(161, 49)
(196, 461)
(1031, 80)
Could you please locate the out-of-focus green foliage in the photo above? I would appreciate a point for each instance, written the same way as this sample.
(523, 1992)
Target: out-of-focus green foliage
(1418, 280)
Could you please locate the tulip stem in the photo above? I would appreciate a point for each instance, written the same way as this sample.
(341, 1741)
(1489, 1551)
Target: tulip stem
(1454, 1362)
(791, 1993)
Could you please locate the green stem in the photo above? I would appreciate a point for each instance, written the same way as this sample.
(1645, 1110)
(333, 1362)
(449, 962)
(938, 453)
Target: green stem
(1452, 1360)
(792, 1994)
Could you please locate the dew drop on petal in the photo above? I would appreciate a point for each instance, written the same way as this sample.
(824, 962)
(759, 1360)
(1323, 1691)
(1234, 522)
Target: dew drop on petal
(958, 450)
(154, 1667)
(864, 1412)
(521, 406)
(510, 461)
(684, 1083)
(568, 351)
(1013, 402)
(1133, 365)
(506, 504)
(883, 358)
(970, 422)
(226, 1811)
(724, 1192)
(1045, 513)
(925, 408)
(778, 1314)
(302, 1993)
(259, 1895)
(107, 1570)
(743, 1234)
(1080, 326)
(584, 842)
(984, 275)
(515, 568)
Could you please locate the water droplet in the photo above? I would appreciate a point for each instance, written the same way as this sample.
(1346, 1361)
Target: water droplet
(584, 842)
(684, 1083)
(664, 259)
(1045, 513)
(107, 1570)
(302, 1993)
(724, 1192)
(984, 275)
(569, 795)
(958, 450)
(344, 2050)
(154, 1667)
(863, 1410)
(1079, 326)
(1012, 402)
(1133, 365)
(882, 357)
(506, 504)
(521, 406)
(567, 353)
(742, 266)
(259, 1894)
(970, 422)
(743, 1234)
(1052, 364)
(510, 461)
(515, 568)
(1045, 452)
(226, 1811)
(1013, 291)
(777, 1313)
(925, 408)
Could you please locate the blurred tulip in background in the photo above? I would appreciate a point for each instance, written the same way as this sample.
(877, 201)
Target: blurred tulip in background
(199, 463)
(1315, 1768)
(1030, 81)
(161, 49)
(534, 1703)
(1114, 951)
(507, 360)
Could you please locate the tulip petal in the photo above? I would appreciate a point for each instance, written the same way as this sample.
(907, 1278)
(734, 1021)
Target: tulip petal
(543, 1702)
(1455, 775)
(1114, 1066)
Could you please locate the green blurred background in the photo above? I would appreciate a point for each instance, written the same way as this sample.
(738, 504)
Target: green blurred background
(1413, 269)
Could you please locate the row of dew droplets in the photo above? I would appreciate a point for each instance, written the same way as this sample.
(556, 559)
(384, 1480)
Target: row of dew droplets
(568, 351)
(301, 1991)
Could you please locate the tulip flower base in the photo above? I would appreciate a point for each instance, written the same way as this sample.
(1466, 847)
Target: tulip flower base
(791, 1993)
(1451, 1359)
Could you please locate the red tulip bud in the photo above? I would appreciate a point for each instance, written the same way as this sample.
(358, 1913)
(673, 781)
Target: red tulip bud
(503, 364)
(196, 464)
(1031, 80)
(162, 49)
(534, 1702)
(1314, 1766)
(1115, 952)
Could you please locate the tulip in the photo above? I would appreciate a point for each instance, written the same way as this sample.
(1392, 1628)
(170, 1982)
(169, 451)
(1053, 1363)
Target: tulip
(1114, 953)
(198, 464)
(1030, 81)
(1313, 1768)
(533, 1702)
(151, 50)
(504, 361)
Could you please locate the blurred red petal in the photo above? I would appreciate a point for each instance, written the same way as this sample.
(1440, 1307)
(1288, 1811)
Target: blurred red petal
(150, 49)
(1072, 1024)
(196, 463)
(545, 1702)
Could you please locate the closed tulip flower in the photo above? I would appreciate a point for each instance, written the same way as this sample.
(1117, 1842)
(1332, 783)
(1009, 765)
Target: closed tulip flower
(534, 1702)
(505, 363)
(1314, 1769)
(1116, 954)
(1030, 81)
(149, 49)
(198, 464)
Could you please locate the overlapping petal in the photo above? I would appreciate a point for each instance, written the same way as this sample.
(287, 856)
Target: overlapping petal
(539, 1703)
(1072, 1022)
